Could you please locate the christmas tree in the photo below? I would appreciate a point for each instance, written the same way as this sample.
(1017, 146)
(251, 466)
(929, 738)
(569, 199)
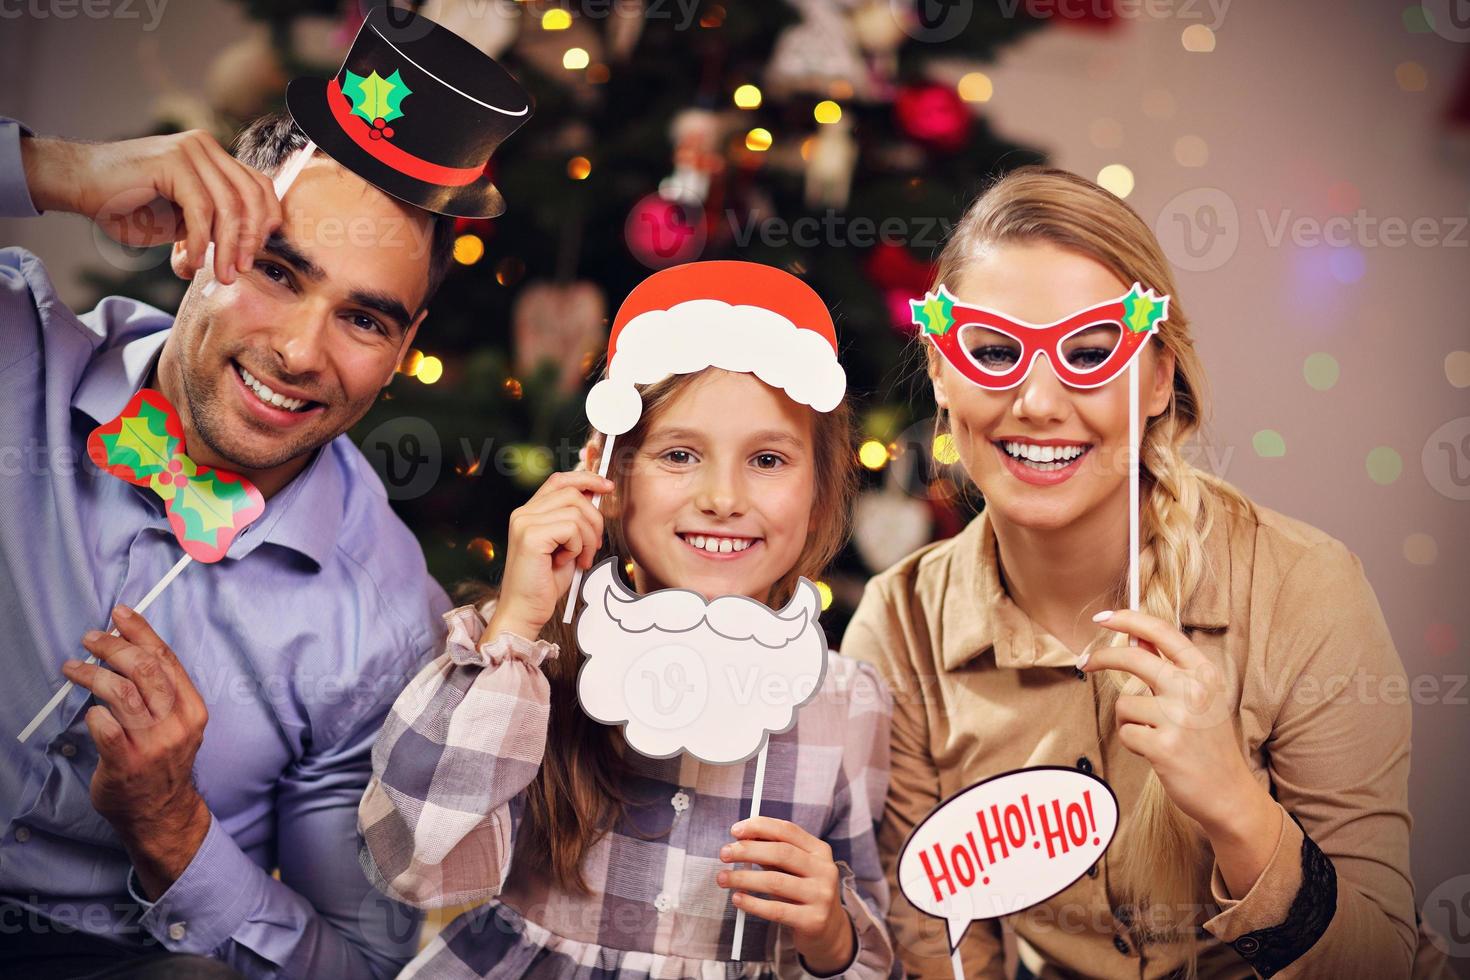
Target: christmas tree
(832, 138)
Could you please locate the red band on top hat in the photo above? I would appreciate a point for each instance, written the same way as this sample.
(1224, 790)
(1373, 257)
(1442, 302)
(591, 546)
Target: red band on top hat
(391, 155)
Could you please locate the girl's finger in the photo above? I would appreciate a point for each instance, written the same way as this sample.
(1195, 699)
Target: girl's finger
(781, 913)
(1174, 645)
(772, 883)
(773, 828)
(777, 855)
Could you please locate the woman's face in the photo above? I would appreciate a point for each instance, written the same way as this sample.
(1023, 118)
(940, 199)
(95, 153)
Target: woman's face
(1041, 283)
(719, 495)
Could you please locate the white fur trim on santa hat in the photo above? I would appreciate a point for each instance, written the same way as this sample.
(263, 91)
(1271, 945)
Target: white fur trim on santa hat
(704, 333)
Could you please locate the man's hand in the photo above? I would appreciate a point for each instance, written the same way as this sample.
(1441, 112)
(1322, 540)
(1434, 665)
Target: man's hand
(159, 189)
(148, 730)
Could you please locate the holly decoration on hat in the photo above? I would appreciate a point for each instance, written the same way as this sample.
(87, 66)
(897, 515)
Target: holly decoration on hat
(377, 99)
(206, 507)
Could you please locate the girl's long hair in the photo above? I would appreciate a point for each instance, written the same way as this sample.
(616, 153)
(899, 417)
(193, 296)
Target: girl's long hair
(1161, 856)
(580, 790)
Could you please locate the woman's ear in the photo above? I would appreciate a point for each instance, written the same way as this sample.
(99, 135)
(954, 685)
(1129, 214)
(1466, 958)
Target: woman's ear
(936, 377)
(1157, 398)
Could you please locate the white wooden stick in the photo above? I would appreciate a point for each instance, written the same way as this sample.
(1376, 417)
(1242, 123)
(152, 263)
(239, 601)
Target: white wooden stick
(566, 616)
(1134, 464)
(140, 608)
(285, 177)
(957, 964)
(755, 810)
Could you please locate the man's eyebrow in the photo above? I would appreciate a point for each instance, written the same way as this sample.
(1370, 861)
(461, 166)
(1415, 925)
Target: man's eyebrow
(384, 303)
(282, 248)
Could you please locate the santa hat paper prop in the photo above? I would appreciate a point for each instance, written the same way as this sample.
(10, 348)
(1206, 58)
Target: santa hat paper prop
(739, 316)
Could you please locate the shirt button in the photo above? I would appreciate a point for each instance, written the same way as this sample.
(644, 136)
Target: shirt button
(1247, 945)
(680, 801)
(663, 902)
(177, 932)
(68, 749)
(1120, 945)
(22, 834)
(1084, 763)
(1092, 871)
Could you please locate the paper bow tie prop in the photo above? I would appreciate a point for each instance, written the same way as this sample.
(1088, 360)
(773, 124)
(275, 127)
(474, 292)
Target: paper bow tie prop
(206, 507)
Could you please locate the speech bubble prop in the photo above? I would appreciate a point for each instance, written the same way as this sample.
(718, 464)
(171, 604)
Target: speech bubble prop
(1005, 844)
(715, 679)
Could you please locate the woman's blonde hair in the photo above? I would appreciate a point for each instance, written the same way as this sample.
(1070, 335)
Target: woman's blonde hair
(579, 791)
(1161, 856)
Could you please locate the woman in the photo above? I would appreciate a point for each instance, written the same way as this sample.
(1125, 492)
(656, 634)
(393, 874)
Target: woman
(1263, 820)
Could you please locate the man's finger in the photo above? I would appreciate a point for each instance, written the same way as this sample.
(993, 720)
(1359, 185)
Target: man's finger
(140, 666)
(225, 232)
(114, 690)
(109, 737)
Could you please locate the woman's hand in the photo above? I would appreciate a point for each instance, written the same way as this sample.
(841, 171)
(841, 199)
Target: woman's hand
(803, 884)
(1185, 731)
(555, 531)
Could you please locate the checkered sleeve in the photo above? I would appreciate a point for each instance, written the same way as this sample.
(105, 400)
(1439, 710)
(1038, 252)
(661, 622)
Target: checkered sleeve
(451, 765)
(852, 832)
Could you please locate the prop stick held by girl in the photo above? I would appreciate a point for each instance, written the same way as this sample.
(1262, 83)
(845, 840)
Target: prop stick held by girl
(728, 488)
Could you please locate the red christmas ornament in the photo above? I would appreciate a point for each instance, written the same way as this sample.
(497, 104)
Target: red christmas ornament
(900, 277)
(661, 233)
(935, 115)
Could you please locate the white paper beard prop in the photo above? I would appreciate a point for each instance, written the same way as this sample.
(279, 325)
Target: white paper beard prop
(682, 675)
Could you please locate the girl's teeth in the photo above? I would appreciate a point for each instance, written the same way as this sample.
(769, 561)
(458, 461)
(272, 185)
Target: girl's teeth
(718, 546)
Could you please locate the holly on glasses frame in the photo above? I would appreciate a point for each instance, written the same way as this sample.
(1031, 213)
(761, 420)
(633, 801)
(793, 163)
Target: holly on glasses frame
(1136, 314)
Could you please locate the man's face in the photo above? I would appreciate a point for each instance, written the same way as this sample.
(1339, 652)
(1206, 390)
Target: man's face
(295, 351)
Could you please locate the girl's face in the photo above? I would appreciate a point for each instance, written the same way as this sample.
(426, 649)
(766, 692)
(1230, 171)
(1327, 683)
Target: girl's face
(1040, 283)
(720, 494)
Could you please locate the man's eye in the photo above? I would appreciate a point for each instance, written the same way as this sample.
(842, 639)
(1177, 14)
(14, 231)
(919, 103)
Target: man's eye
(273, 272)
(364, 322)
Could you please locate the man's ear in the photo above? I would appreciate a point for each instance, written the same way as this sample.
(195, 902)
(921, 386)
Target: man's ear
(1156, 400)
(405, 344)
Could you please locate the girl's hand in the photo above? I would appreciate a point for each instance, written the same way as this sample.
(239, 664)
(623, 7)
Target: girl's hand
(1184, 730)
(553, 532)
(802, 880)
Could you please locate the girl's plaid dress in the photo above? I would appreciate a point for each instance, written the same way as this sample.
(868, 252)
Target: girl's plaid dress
(450, 770)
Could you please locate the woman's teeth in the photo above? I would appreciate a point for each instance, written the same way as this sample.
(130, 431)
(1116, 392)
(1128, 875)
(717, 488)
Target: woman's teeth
(716, 545)
(264, 393)
(1044, 458)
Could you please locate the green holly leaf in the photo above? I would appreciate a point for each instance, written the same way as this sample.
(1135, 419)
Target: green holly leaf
(142, 442)
(1143, 309)
(934, 314)
(207, 503)
(375, 97)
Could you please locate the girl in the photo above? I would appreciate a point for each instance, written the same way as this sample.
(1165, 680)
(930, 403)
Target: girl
(1263, 821)
(490, 782)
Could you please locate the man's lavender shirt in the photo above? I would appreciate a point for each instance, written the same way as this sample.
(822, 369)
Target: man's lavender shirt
(298, 640)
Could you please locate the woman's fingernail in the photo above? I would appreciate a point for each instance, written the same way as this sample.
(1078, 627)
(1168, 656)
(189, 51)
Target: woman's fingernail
(1082, 660)
(1103, 616)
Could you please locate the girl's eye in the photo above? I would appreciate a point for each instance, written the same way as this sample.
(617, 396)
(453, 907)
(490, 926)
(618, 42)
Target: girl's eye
(768, 461)
(679, 456)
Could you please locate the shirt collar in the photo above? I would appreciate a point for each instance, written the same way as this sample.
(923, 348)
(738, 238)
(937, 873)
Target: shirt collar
(978, 615)
(304, 516)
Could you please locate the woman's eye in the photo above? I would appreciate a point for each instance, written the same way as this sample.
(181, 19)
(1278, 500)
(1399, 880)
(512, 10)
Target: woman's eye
(994, 357)
(1088, 357)
(768, 461)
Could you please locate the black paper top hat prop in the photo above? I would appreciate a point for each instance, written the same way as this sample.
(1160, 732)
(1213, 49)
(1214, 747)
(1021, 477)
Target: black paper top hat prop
(416, 111)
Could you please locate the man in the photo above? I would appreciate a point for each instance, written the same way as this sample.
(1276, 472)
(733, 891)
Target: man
(228, 734)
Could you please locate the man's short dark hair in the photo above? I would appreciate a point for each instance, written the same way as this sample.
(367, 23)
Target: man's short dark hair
(270, 140)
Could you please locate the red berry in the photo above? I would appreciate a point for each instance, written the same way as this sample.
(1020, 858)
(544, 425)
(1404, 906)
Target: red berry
(175, 465)
(373, 134)
(379, 123)
(388, 133)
